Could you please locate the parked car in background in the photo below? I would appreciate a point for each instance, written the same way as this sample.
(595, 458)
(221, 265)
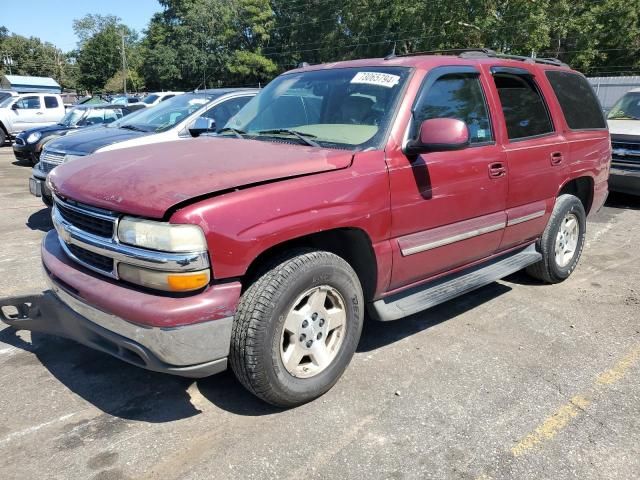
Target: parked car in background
(28, 144)
(171, 120)
(155, 98)
(127, 100)
(391, 185)
(624, 126)
(28, 110)
(6, 94)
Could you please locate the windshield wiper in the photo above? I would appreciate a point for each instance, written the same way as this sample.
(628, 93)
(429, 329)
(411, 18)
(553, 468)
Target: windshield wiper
(134, 128)
(305, 137)
(235, 131)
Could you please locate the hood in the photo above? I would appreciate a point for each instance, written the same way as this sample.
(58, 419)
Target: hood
(90, 139)
(49, 130)
(624, 127)
(150, 179)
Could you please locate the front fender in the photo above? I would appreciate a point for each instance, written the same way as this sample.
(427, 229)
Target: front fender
(241, 225)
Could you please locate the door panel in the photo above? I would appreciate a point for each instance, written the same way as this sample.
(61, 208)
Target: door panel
(447, 211)
(536, 154)
(448, 208)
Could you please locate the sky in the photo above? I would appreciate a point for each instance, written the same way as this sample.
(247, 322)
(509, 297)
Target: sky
(52, 20)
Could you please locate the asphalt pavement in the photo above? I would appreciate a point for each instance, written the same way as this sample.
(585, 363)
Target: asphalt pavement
(518, 380)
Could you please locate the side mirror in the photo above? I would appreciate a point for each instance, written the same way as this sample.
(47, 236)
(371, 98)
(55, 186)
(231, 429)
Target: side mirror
(439, 135)
(15, 106)
(202, 125)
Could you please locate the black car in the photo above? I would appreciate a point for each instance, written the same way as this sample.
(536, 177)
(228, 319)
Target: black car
(28, 144)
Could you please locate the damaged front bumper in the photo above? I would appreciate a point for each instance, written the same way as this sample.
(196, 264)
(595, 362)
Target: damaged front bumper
(196, 349)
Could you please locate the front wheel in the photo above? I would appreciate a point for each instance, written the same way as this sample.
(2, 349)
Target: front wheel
(562, 242)
(297, 327)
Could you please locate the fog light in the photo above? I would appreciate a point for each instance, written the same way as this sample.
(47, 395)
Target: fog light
(171, 282)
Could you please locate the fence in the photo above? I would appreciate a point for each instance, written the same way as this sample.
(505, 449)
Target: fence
(610, 89)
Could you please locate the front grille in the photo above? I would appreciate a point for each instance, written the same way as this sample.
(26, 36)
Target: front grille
(95, 260)
(86, 221)
(625, 151)
(50, 160)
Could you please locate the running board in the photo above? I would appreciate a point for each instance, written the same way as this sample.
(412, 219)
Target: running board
(429, 295)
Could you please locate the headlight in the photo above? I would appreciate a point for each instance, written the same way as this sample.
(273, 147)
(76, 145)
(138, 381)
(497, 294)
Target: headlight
(165, 237)
(68, 158)
(34, 137)
(171, 282)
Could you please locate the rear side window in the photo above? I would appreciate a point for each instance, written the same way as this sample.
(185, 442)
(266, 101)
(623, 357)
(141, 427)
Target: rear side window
(525, 112)
(456, 96)
(579, 104)
(51, 102)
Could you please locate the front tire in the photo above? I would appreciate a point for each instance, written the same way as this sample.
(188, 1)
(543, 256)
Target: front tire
(562, 242)
(297, 327)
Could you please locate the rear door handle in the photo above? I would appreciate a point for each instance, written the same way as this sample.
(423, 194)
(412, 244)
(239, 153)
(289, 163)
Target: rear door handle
(556, 158)
(497, 170)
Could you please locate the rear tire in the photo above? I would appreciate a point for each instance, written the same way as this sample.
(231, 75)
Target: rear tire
(3, 137)
(297, 327)
(562, 242)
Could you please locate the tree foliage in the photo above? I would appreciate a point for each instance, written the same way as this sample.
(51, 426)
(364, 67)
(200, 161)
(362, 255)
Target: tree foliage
(198, 43)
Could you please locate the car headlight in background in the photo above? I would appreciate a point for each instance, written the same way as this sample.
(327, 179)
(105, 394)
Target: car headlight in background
(162, 236)
(34, 137)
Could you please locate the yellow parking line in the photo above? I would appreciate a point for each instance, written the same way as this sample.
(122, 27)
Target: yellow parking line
(620, 368)
(553, 424)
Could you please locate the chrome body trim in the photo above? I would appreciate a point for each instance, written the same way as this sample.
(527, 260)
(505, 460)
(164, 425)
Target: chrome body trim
(526, 218)
(165, 261)
(180, 346)
(453, 239)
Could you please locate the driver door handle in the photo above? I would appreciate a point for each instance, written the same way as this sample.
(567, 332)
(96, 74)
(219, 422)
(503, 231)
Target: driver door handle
(497, 170)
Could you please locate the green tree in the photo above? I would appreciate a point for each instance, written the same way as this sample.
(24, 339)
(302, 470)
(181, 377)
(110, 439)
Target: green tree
(99, 55)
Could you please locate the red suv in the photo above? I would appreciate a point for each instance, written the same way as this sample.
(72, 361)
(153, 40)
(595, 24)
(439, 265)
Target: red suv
(388, 185)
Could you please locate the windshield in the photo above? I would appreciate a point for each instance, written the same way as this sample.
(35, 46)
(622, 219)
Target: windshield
(337, 108)
(150, 99)
(72, 117)
(7, 101)
(627, 108)
(167, 114)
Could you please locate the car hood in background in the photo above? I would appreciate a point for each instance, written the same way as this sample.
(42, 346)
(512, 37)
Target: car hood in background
(624, 127)
(149, 180)
(90, 139)
(49, 130)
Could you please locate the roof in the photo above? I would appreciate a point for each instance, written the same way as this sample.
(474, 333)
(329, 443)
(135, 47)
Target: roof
(86, 106)
(428, 61)
(26, 84)
(224, 91)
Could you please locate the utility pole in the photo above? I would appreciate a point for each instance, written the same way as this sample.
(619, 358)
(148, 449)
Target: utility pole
(124, 65)
(8, 61)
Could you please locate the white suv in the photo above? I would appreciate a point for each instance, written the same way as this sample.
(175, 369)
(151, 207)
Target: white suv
(28, 110)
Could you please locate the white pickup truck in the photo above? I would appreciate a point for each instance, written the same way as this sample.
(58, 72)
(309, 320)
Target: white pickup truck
(28, 110)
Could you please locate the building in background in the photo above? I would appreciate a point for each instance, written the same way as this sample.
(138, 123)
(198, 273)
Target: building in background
(24, 84)
(610, 89)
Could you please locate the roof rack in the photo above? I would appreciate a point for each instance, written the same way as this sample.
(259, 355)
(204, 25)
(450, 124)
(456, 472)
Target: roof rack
(481, 53)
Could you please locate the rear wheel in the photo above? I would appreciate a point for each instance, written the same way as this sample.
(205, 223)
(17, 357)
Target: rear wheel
(3, 137)
(297, 327)
(562, 241)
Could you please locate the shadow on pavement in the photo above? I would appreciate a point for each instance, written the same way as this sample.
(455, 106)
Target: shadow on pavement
(41, 220)
(129, 392)
(622, 200)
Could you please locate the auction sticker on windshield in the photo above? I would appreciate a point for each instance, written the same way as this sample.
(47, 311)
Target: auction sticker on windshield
(375, 78)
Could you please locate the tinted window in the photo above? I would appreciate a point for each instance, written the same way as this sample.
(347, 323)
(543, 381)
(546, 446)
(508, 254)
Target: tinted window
(456, 96)
(51, 102)
(28, 103)
(524, 109)
(167, 97)
(579, 104)
(223, 112)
